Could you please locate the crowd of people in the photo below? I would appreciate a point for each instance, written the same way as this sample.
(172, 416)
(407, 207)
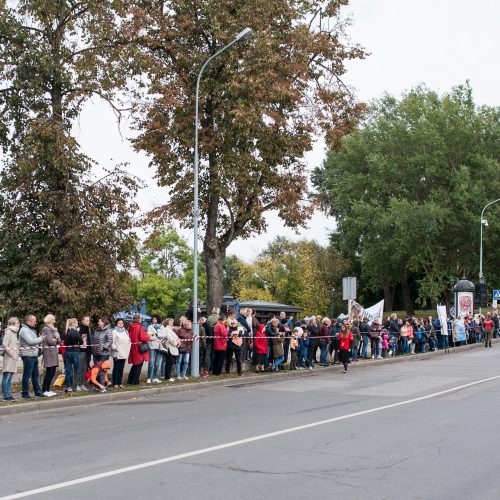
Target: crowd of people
(236, 337)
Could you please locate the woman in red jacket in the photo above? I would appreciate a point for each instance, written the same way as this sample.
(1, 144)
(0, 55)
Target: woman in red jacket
(260, 347)
(345, 339)
(137, 334)
(220, 344)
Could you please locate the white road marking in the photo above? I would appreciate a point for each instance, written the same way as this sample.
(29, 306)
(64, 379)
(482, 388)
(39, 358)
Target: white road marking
(260, 437)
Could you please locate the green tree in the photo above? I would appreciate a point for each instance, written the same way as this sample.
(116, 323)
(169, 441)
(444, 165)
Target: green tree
(407, 189)
(65, 241)
(302, 273)
(261, 105)
(166, 273)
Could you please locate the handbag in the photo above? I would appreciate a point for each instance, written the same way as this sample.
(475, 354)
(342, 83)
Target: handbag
(143, 346)
(163, 346)
(59, 382)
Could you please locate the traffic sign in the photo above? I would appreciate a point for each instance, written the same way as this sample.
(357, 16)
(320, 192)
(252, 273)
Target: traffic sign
(496, 294)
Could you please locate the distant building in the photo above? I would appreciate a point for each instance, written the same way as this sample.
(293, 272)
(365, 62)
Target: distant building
(262, 307)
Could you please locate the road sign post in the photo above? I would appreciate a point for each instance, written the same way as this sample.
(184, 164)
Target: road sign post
(349, 292)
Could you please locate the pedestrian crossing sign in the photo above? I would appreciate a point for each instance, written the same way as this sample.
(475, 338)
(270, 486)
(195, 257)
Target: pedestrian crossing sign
(496, 294)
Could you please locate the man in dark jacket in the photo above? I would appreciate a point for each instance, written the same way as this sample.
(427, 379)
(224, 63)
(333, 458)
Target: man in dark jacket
(364, 328)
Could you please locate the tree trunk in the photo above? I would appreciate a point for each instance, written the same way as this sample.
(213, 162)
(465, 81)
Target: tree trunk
(388, 298)
(408, 304)
(215, 254)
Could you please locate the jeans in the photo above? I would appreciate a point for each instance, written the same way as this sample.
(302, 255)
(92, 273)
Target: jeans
(117, 375)
(161, 364)
(355, 353)
(72, 363)
(30, 371)
(366, 341)
(323, 352)
(101, 357)
(154, 363)
(423, 346)
(405, 349)
(7, 384)
(278, 361)
(304, 360)
(182, 363)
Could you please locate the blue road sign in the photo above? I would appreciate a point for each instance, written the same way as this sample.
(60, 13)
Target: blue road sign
(496, 294)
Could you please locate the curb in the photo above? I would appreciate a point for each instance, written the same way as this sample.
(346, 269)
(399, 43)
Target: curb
(97, 399)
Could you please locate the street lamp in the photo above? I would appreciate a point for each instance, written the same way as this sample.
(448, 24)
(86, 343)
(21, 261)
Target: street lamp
(246, 34)
(485, 222)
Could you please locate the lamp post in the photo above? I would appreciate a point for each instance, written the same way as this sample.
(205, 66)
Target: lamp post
(246, 34)
(481, 275)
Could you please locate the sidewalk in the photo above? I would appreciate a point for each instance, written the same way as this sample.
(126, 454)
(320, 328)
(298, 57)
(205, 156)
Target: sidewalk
(85, 399)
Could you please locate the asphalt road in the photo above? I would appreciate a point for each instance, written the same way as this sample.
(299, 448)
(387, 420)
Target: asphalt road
(380, 432)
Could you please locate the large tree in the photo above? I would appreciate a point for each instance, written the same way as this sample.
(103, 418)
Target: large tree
(261, 105)
(302, 273)
(408, 187)
(65, 240)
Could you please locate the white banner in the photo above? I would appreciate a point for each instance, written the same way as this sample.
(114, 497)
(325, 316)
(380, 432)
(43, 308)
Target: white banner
(373, 312)
(441, 310)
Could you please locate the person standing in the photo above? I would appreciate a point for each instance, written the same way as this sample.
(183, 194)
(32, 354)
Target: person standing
(72, 340)
(364, 329)
(171, 344)
(102, 340)
(205, 346)
(154, 346)
(345, 342)
(84, 353)
(234, 340)
(120, 349)
(220, 343)
(136, 358)
(260, 348)
(185, 335)
(10, 344)
(29, 342)
(50, 352)
(324, 334)
(375, 331)
(356, 339)
(488, 327)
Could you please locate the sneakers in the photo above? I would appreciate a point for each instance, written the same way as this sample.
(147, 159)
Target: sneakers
(345, 371)
(148, 381)
(47, 394)
(179, 378)
(205, 374)
(171, 379)
(185, 378)
(78, 388)
(156, 381)
(69, 389)
(310, 368)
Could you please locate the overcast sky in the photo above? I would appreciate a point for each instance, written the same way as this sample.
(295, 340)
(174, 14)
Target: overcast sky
(440, 43)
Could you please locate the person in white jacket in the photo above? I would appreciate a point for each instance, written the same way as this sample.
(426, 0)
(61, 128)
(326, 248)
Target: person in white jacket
(120, 349)
(171, 344)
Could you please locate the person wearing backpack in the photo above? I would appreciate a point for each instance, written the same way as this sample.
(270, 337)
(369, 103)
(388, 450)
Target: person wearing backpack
(10, 345)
